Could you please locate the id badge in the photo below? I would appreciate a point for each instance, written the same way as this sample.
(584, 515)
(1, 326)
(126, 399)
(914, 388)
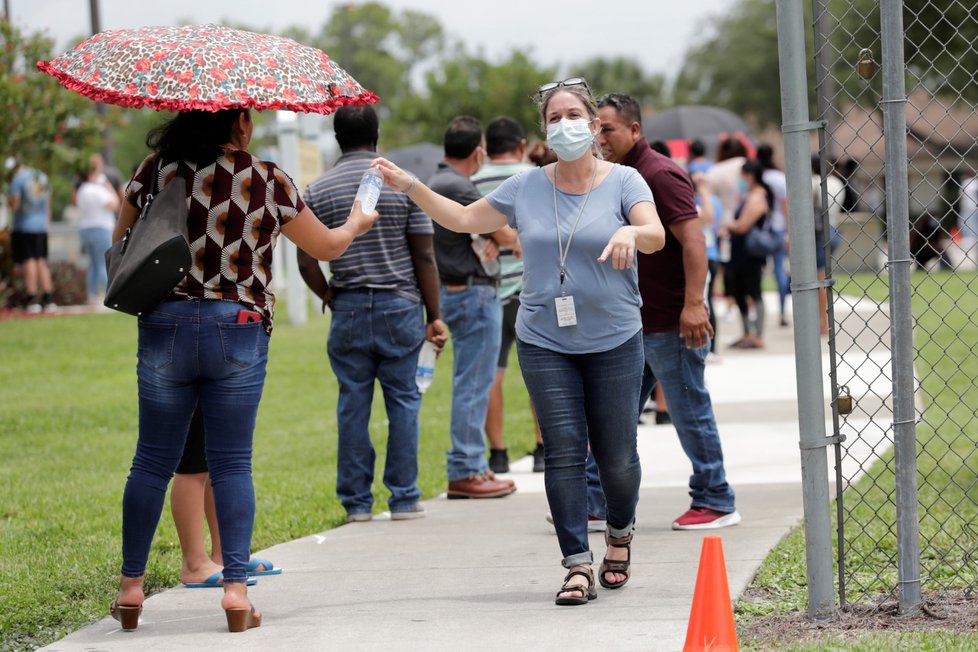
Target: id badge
(566, 315)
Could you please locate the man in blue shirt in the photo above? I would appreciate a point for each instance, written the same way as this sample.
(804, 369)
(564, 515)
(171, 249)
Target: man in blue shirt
(383, 295)
(29, 198)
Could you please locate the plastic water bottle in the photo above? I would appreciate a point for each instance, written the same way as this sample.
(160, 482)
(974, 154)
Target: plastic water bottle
(426, 366)
(490, 267)
(369, 191)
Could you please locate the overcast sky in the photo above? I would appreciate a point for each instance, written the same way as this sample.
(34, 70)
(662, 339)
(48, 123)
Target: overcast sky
(655, 32)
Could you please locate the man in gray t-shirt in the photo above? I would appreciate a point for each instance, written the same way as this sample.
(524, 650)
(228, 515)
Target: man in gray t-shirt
(474, 317)
(383, 296)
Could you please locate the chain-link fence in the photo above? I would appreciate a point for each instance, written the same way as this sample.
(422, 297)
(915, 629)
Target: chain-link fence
(941, 59)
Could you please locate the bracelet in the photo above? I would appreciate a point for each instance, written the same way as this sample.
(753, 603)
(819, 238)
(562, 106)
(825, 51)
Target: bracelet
(414, 182)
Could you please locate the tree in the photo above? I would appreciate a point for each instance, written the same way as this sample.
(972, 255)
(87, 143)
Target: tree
(736, 66)
(41, 124)
(623, 75)
(469, 85)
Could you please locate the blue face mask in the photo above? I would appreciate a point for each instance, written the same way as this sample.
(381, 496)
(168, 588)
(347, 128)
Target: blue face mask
(570, 139)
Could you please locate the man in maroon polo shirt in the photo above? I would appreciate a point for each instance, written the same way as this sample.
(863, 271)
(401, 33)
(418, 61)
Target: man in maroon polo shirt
(675, 321)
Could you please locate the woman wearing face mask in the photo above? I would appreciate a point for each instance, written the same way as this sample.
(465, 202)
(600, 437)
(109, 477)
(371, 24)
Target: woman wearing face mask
(578, 329)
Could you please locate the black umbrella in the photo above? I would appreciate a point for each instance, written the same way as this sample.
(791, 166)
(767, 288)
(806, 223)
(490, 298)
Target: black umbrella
(421, 159)
(705, 123)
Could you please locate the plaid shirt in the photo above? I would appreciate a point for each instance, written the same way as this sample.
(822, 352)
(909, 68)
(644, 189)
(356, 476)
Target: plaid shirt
(236, 208)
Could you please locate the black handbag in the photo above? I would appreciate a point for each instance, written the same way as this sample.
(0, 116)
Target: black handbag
(761, 242)
(153, 257)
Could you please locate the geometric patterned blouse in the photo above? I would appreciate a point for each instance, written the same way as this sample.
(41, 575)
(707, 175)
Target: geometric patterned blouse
(236, 208)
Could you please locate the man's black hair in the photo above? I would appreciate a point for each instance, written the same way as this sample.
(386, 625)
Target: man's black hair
(503, 135)
(626, 106)
(697, 148)
(356, 127)
(462, 136)
(661, 147)
(765, 155)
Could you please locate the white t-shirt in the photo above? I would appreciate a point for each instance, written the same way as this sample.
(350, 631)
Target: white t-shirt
(93, 206)
(969, 209)
(836, 188)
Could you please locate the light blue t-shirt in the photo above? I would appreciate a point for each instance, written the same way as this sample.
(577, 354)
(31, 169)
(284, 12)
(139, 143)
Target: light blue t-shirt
(606, 300)
(34, 191)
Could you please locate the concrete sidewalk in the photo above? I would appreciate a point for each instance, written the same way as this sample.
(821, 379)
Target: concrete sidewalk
(483, 574)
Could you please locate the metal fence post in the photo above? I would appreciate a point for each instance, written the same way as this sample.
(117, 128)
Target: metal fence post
(804, 287)
(901, 335)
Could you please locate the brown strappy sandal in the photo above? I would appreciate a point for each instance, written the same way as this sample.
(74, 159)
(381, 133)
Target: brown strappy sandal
(587, 592)
(127, 616)
(240, 620)
(614, 565)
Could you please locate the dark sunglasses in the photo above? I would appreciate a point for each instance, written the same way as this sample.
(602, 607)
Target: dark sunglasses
(571, 81)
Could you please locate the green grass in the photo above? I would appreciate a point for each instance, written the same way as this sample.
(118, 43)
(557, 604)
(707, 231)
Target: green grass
(947, 459)
(68, 419)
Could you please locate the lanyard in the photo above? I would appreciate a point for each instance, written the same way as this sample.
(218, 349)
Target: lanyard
(561, 249)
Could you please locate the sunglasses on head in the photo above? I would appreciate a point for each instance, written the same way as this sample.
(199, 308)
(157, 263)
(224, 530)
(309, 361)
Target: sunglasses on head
(571, 81)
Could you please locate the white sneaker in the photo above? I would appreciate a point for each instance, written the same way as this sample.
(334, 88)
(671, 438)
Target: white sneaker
(34, 309)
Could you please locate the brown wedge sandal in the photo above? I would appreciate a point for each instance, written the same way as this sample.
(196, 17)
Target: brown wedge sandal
(240, 620)
(616, 566)
(128, 617)
(587, 592)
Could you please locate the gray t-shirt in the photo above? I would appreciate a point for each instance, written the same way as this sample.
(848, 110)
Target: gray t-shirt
(606, 300)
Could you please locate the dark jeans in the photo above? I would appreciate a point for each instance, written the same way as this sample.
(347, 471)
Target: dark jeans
(375, 335)
(581, 399)
(192, 351)
(680, 370)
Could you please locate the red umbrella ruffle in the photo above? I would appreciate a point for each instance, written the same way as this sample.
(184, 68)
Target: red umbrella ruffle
(205, 68)
(163, 104)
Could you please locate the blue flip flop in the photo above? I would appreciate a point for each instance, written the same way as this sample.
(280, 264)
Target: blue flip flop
(254, 564)
(215, 581)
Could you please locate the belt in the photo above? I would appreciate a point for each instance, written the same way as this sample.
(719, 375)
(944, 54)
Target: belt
(466, 280)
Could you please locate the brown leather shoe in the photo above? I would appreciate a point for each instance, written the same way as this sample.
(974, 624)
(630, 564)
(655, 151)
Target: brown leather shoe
(480, 485)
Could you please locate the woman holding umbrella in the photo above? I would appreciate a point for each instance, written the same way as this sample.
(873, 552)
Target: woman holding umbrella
(578, 329)
(207, 343)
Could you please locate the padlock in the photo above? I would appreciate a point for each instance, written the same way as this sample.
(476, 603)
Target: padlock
(844, 400)
(866, 67)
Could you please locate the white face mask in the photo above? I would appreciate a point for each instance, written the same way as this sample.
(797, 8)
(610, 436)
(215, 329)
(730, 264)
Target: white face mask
(570, 139)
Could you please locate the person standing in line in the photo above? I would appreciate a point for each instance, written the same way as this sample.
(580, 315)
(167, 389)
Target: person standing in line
(578, 329)
(505, 146)
(29, 198)
(710, 210)
(675, 321)
(97, 203)
(379, 294)
(207, 342)
(746, 269)
(775, 180)
(473, 314)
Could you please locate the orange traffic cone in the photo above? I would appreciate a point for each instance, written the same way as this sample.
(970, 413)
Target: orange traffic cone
(711, 622)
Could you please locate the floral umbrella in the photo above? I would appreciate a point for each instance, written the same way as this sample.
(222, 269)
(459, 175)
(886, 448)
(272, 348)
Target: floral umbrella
(205, 67)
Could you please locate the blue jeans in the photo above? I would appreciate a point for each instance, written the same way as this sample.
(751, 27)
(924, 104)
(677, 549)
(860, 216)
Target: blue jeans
(95, 242)
(680, 370)
(588, 398)
(474, 317)
(190, 352)
(376, 335)
(780, 273)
